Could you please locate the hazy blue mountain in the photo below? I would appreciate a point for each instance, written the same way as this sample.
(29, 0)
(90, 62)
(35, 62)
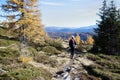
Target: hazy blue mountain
(63, 29)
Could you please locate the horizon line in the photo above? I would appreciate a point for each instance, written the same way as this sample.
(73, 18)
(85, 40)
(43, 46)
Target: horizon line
(71, 26)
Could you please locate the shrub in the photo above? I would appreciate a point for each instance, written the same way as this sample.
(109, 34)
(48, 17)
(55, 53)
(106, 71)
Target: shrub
(8, 56)
(57, 43)
(50, 50)
(45, 59)
(84, 47)
(33, 51)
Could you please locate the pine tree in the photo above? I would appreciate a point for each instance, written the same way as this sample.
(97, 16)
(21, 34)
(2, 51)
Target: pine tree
(100, 38)
(24, 18)
(107, 33)
(118, 30)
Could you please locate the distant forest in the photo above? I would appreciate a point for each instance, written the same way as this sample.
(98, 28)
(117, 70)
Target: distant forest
(66, 35)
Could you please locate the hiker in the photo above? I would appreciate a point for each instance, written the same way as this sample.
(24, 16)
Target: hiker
(72, 45)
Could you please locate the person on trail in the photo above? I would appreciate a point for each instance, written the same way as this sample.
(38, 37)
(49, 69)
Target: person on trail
(72, 45)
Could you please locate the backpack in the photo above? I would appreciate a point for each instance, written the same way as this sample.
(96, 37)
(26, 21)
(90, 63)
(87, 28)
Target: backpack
(72, 43)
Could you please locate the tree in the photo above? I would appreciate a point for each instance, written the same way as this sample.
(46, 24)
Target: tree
(90, 40)
(118, 30)
(78, 39)
(107, 32)
(25, 17)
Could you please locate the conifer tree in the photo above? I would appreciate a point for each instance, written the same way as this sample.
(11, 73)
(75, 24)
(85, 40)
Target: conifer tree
(90, 40)
(24, 17)
(107, 31)
(78, 39)
(118, 30)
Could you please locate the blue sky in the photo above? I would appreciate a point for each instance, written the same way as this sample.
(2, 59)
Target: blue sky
(70, 13)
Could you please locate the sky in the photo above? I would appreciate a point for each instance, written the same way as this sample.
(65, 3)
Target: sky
(70, 13)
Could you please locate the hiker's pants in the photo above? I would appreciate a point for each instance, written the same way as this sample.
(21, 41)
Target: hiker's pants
(72, 51)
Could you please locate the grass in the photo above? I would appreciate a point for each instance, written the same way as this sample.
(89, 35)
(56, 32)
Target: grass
(5, 32)
(20, 71)
(2, 31)
(25, 72)
(45, 59)
(17, 70)
(107, 66)
(4, 42)
(8, 56)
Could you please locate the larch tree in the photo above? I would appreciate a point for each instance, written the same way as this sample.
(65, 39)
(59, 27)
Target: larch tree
(107, 32)
(24, 18)
(78, 39)
(90, 40)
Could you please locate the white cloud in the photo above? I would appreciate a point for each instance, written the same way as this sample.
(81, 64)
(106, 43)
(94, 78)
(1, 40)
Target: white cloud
(51, 3)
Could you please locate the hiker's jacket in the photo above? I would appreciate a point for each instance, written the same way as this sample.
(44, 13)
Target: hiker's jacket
(72, 43)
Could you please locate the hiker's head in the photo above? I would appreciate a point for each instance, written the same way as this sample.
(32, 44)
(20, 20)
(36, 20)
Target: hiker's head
(73, 37)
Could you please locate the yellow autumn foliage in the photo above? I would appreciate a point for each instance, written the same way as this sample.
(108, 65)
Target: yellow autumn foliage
(28, 18)
(42, 33)
(90, 40)
(25, 59)
(78, 39)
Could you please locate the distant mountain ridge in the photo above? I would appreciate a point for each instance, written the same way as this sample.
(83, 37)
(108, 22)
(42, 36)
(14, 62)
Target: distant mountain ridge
(64, 29)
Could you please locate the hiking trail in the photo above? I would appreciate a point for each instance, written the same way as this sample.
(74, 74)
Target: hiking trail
(69, 69)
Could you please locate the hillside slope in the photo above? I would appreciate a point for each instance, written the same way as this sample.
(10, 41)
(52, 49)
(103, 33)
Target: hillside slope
(46, 65)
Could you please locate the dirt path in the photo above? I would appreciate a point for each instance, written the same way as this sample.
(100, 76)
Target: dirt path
(76, 67)
(64, 62)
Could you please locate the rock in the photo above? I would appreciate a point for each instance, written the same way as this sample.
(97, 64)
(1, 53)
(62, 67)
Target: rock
(66, 76)
(39, 78)
(77, 79)
(68, 69)
(60, 72)
(84, 50)
(3, 71)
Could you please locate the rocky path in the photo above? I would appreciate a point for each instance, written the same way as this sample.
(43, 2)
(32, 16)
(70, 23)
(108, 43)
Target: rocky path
(73, 69)
(68, 69)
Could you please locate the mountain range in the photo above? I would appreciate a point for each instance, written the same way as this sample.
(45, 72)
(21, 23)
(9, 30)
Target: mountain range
(67, 29)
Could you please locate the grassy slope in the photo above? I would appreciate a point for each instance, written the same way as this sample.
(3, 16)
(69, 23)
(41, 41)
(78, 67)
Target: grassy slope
(5, 32)
(107, 66)
(16, 70)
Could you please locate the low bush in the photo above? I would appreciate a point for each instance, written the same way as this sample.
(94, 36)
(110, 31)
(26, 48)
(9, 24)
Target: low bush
(8, 56)
(45, 59)
(50, 50)
(84, 47)
(57, 43)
